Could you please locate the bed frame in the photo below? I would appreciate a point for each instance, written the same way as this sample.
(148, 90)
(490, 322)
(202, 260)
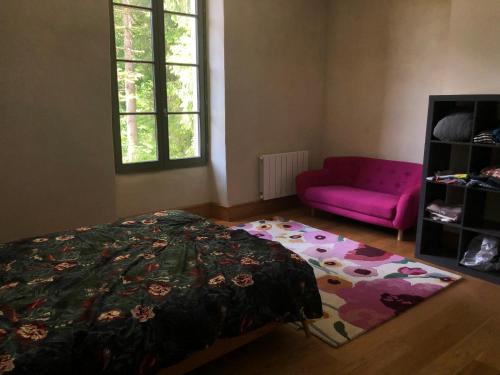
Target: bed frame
(222, 347)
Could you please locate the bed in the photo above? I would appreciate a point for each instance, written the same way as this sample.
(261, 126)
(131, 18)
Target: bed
(142, 294)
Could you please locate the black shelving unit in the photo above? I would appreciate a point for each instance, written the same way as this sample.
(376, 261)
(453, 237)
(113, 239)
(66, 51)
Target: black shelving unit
(445, 243)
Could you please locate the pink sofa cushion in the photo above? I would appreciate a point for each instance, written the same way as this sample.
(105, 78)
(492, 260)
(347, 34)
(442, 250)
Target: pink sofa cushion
(368, 202)
(386, 176)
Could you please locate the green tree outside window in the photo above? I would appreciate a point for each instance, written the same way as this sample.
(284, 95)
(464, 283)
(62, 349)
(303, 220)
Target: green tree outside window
(142, 110)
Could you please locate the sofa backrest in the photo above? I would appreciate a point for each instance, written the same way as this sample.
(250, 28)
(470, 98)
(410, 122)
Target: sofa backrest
(385, 176)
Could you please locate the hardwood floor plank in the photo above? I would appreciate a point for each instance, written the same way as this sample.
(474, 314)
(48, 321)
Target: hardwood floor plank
(455, 332)
(476, 368)
(479, 351)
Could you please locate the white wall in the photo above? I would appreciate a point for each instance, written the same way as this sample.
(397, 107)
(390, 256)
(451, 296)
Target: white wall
(275, 67)
(266, 71)
(473, 63)
(217, 100)
(385, 58)
(56, 149)
(144, 192)
(266, 65)
(352, 76)
(473, 58)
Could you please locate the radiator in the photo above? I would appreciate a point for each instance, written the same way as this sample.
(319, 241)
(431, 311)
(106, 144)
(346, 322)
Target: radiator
(278, 172)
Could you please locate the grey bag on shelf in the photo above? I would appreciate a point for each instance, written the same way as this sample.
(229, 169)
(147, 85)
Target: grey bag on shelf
(456, 127)
(482, 254)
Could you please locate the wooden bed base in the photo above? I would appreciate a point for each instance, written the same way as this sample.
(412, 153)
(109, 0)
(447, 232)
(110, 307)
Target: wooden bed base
(220, 348)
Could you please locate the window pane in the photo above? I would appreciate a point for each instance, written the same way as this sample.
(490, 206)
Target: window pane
(138, 138)
(182, 88)
(183, 136)
(140, 3)
(181, 6)
(133, 34)
(180, 38)
(136, 87)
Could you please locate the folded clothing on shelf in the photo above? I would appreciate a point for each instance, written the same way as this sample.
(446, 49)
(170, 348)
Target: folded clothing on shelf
(487, 182)
(489, 178)
(447, 213)
(482, 254)
(488, 136)
(447, 177)
(491, 172)
(484, 137)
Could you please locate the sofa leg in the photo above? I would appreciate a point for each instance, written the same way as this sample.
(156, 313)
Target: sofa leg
(400, 235)
(313, 211)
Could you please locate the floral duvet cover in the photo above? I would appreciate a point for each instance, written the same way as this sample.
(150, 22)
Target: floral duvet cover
(141, 294)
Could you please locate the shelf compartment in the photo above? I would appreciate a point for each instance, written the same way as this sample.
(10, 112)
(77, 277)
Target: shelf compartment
(445, 108)
(445, 156)
(449, 194)
(463, 187)
(441, 185)
(482, 212)
(467, 236)
(482, 157)
(445, 243)
(440, 240)
(487, 115)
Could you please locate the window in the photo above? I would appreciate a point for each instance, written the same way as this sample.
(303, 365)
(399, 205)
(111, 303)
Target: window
(159, 91)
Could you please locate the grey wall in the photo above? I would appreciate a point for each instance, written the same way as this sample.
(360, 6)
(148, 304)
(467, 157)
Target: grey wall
(56, 155)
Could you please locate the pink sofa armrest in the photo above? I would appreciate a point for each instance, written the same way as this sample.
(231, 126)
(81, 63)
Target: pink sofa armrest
(319, 177)
(407, 208)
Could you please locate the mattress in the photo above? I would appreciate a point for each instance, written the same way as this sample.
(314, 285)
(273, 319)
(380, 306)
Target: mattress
(141, 294)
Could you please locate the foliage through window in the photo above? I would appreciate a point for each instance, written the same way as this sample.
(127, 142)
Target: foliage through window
(159, 98)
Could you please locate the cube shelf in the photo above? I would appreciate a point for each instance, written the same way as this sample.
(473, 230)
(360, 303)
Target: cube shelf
(445, 243)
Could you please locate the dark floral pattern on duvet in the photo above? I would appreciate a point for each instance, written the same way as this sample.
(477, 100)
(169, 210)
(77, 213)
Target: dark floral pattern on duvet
(141, 294)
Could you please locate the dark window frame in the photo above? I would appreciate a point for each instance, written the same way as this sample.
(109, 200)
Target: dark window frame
(161, 112)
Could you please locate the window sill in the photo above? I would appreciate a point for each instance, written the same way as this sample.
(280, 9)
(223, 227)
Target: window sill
(158, 166)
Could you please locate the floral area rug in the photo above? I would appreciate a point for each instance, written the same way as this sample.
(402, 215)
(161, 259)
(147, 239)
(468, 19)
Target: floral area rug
(361, 287)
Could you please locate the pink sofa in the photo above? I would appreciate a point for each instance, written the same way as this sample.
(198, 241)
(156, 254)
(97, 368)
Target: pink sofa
(381, 192)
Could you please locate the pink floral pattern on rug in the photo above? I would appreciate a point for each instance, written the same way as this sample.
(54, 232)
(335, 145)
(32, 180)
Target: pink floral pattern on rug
(370, 303)
(361, 286)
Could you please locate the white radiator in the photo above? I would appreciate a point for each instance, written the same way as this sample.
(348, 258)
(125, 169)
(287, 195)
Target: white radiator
(278, 172)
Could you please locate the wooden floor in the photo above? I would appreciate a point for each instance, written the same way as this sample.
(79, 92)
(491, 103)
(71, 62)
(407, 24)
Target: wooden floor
(455, 332)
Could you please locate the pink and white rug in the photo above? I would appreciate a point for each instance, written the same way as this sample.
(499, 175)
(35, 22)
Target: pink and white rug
(361, 287)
